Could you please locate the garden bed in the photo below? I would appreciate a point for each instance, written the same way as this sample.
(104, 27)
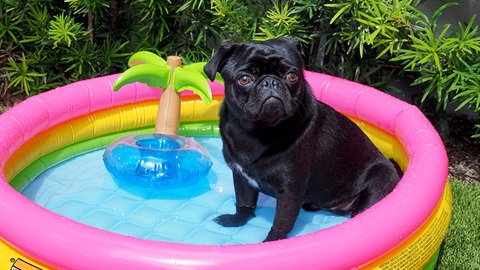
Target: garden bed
(463, 152)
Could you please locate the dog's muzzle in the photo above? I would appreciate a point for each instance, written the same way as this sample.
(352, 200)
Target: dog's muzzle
(273, 107)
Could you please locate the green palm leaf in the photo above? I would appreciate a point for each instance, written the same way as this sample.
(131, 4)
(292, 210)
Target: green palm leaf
(151, 69)
(198, 67)
(144, 57)
(150, 74)
(187, 78)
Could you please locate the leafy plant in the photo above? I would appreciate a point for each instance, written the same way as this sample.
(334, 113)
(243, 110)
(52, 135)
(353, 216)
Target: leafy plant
(38, 21)
(63, 29)
(56, 44)
(89, 7)
(378, 24)
(359, 37)
(280, 21)
(238, 20)
(70, 40)
(380, 40)
(20, 75)
(438, 57)
(10, 25)
(447, 66)
(477, 132)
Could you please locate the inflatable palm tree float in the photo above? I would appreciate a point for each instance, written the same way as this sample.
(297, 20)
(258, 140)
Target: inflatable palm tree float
(161, 159)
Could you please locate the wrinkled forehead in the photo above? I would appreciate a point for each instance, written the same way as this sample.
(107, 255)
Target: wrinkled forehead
(266, 58)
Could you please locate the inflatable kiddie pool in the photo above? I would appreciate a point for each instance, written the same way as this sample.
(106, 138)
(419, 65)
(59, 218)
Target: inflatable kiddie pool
(404, 230)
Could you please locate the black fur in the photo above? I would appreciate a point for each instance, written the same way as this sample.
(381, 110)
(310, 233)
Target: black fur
(279, 140)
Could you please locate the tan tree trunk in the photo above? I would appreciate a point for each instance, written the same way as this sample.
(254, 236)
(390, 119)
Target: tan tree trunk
(169, 108)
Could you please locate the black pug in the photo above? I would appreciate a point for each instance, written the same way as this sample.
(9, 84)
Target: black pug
(280, 140)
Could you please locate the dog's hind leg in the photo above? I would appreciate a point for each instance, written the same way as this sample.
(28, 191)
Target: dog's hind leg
(381, 181)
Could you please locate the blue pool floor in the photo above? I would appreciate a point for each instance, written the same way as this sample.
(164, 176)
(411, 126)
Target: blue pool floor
(81, 189)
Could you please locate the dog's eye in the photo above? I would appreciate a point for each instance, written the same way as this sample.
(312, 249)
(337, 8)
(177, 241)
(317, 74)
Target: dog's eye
(245, 79)
(291, 77)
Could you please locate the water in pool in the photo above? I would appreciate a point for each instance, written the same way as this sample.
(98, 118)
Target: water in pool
(81, 189)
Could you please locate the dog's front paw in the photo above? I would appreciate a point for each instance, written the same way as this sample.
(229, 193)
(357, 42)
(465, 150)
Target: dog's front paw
(231, 220)
(241, 217)
(275, 235)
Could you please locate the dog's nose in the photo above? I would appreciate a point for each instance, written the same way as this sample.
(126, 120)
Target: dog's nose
(270, 83)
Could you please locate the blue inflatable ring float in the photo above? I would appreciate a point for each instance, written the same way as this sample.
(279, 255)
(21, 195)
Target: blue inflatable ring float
(157, 160)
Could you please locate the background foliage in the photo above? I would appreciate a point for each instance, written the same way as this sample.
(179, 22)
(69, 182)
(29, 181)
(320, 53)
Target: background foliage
(47, 43)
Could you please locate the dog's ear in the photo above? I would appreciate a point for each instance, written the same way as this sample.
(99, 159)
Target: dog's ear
(216, 62)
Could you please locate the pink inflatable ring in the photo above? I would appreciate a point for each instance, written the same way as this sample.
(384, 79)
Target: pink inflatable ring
(404, 230)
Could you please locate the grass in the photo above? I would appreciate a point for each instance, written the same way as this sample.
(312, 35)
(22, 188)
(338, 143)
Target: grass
(461, 246)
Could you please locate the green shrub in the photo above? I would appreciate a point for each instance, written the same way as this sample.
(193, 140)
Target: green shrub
(47, 43)
(446, 66)
(393, 36)
(54, 46)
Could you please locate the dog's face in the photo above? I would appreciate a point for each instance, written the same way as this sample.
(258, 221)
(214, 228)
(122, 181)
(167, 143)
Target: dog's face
(264, 81)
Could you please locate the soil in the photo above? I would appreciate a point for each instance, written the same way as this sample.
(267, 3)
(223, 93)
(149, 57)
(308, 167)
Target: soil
(463, 152)
(7, 100)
